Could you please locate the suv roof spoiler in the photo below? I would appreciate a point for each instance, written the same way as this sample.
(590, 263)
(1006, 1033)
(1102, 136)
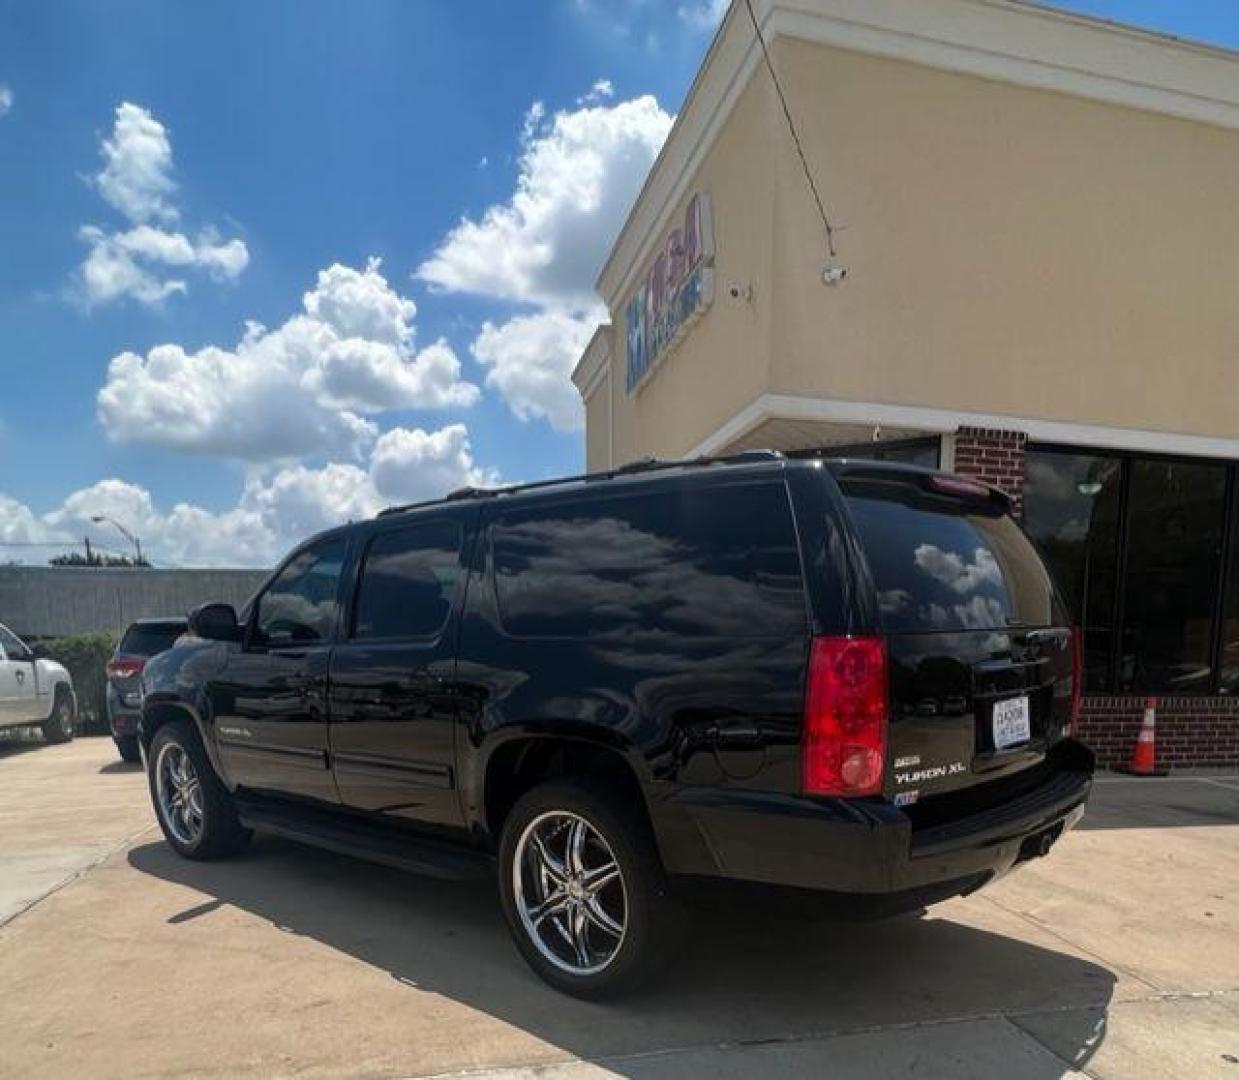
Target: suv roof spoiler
(932, 481)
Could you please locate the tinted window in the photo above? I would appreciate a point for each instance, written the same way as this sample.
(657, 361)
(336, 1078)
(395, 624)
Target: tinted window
(149, 640)
(1071, 511)
(1174, 556)
(709, 562)
(299, 606)
(11, 644)
(408, 581)
(939, 565)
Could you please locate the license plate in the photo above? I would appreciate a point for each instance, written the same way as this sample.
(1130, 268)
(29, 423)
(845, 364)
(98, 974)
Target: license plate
(1011, 723)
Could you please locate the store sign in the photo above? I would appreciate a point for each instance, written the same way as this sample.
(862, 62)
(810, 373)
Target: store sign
(673, 294)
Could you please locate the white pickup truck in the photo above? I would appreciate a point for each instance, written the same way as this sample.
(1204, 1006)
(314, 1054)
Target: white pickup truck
(34, 691)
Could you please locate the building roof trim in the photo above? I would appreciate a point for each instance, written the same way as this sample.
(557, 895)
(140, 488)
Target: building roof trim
(945, 421)
(594, 364)
(1011, 41)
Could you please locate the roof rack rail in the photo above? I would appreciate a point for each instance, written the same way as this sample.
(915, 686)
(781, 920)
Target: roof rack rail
(468, 493)
(740, 457)
(645, 464)
(641, 465)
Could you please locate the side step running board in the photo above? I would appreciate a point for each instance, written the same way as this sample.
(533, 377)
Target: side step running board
(402, 851)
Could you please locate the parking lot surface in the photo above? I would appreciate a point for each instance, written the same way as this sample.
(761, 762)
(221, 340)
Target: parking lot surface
(1118, 956)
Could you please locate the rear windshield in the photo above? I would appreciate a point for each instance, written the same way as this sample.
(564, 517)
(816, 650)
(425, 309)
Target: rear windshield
(149, 640)
(942, 564)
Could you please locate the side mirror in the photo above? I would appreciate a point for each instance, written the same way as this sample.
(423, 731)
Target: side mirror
(37, 652)
(215, 622)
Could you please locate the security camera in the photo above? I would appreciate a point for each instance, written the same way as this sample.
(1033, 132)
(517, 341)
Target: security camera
(832, 275)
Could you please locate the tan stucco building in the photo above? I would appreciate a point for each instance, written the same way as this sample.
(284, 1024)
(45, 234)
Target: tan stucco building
(1038, 216)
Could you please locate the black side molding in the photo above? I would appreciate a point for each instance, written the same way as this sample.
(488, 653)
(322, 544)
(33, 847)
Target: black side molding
(377, 844)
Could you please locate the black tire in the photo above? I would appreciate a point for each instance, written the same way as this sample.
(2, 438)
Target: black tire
(651, 914)
(127, 747)
(220, 833)
(60, 727)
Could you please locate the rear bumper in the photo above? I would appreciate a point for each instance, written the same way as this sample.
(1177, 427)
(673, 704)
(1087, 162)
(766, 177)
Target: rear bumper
(871, 848)
(122, 719)
(124, 725)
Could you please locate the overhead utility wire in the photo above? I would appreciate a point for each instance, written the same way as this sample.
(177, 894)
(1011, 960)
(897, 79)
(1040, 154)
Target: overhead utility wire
(791, 127)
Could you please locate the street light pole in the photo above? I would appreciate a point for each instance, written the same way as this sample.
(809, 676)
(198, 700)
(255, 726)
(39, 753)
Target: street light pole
(99, 519)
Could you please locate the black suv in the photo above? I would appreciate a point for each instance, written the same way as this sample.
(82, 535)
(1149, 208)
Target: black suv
(850, 680)
(140, 641)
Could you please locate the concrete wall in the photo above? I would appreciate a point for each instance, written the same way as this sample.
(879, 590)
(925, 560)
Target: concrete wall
(1012, 251)
(51, 601)
(724, 360)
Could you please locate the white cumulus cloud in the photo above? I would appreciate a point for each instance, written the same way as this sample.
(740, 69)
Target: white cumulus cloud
(273, 513)
(147, 261)
(530, 360)
(580, 171)
(704, 14)
(602, 90)
(136, 177)
(409, 464)
(305, 387)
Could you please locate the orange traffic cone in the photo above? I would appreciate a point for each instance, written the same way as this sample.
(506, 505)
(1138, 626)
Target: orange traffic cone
(1144, 755)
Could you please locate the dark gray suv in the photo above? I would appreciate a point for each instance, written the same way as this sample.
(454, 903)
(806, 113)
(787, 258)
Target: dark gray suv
(142, 640)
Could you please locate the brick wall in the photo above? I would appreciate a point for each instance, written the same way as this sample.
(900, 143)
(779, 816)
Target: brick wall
(994, 457)
(1191, 731)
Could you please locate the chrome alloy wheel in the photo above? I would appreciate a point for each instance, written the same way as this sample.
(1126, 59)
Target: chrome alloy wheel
(179, 792)
(570, 892)
(64, 717)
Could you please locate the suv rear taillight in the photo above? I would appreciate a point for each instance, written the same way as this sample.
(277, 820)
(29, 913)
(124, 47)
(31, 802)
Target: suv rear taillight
(846, 705)
(1077, 676)
(125, 668)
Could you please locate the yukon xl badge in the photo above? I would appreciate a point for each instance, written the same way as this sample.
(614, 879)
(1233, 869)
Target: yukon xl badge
(934, 772)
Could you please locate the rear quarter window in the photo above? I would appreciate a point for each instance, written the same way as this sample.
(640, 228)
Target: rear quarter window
(709, 562)
(942, 564)
(150, 640)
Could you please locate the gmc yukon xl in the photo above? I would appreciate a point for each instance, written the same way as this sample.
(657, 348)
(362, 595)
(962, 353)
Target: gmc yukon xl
(841, 680)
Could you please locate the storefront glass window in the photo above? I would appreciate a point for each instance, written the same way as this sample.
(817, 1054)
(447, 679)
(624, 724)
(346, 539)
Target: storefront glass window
(1174, 559)
(1229, 658)
(1137, 546)
(1071, 511)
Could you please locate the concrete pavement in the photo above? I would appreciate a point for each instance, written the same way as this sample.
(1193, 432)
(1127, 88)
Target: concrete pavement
(51, 827)
(1118, 956)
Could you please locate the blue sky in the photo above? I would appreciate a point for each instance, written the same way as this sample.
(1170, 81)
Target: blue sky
(261, 154)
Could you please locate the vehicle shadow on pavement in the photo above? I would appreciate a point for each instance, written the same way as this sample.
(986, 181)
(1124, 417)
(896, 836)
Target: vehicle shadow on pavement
(736, 981)
(120, 767)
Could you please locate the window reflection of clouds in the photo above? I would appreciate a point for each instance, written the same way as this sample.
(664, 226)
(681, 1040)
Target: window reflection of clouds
(955, 572)
(301, 604)
(942, 570)
(408, 579)
(579, 574)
